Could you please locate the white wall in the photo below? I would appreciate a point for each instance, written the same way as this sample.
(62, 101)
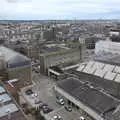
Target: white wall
(114, 33)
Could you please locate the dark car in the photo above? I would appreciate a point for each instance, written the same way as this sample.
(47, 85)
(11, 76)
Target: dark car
(68, 108)
(47, 110)
(42, 105)
(29, 92)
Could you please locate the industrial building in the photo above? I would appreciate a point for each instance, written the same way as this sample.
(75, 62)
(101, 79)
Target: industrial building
(91, 102)
(94, 86)
(93, 89)
(52, 55)
(9, 110)
(15, 66)
(100, 75)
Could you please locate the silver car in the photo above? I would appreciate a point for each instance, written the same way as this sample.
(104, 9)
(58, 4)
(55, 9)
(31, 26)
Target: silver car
(56, 117)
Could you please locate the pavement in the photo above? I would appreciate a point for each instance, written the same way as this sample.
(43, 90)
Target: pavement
(44, 90)
(66, 115)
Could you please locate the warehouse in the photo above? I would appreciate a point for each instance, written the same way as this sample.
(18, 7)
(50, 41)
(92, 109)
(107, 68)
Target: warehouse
(94, 102)
(99, 74)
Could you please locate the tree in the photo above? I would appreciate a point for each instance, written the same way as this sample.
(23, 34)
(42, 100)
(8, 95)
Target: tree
(35, 112)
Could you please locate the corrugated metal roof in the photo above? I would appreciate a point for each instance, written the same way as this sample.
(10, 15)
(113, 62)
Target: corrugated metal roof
(112, 87)
(93, 98)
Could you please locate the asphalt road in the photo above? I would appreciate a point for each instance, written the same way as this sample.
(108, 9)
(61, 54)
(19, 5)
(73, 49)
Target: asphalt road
(45, 92)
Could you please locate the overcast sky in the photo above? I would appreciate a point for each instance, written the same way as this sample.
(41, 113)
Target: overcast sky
(59, 9)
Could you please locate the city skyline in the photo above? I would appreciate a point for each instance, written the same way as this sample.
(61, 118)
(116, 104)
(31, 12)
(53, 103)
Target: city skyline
(59, 9)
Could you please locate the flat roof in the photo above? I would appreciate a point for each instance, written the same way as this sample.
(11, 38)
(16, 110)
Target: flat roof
(93, 98)
(4, 109)
(5, 97)
(50, 49)
(53, 48)
(109, 58)
(112, 87)
(7, 105)
(2, 90)
(14, 116)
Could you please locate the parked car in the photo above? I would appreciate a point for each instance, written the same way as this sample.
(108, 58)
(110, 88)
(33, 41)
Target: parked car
(29, 92)
(60, 101)
(68, 108)
(56, 117)
(47, 110)
(81, 118)
(34, 95)
(42, 105)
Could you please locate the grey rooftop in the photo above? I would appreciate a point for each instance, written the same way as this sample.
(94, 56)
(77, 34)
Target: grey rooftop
(13, 58)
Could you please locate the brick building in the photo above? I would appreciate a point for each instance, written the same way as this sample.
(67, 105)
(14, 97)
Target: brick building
(55, 55)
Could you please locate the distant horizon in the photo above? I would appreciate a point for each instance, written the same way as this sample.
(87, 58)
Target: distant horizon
(58, 19)
(59, 9)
